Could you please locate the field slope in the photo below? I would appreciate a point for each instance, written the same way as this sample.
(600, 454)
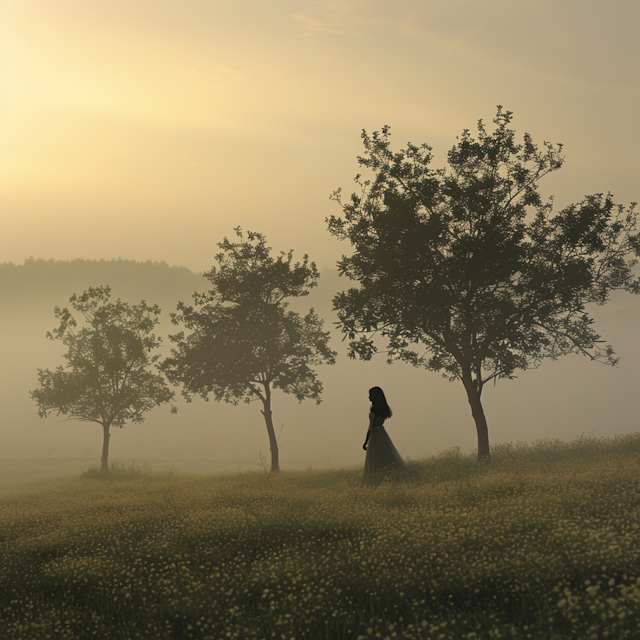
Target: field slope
(543, 543)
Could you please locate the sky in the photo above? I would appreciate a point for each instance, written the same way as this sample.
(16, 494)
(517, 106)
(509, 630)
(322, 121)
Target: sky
(149, 129)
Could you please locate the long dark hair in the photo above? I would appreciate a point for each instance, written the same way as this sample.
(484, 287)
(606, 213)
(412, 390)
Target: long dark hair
(379, 404)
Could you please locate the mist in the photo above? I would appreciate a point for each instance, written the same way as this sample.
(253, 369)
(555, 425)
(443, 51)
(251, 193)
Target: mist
(561, 399)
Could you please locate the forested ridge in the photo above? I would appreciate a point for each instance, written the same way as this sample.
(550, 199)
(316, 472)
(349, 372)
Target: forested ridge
(51, 282)
(48, 283)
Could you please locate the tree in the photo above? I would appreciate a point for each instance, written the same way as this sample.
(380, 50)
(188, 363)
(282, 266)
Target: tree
(108, 378)
(244, 341)
(466, 271)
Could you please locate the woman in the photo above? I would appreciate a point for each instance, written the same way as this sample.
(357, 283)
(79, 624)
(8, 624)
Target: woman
(382, 457)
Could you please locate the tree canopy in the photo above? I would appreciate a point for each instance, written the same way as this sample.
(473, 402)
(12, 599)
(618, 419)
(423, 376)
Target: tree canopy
(244, 341)
(109, 376)
(466, 270)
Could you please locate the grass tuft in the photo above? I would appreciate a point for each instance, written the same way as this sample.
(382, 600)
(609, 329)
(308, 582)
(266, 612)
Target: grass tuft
(118, 471)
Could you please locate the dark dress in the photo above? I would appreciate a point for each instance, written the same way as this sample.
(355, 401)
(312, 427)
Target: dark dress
(382, 457)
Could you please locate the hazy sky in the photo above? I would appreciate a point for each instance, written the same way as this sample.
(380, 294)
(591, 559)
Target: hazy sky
(148, 129)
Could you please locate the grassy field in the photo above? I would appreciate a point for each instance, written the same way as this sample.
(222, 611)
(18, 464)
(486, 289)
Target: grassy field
(544, 543)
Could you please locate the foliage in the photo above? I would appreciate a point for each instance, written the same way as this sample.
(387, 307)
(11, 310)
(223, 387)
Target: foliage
(234, 351)
(244, 341)
(466, 271)
(541, 544)
(107, 378)
(243, 337)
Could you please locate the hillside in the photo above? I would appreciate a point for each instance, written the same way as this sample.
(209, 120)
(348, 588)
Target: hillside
(44, 283)
(543, 543)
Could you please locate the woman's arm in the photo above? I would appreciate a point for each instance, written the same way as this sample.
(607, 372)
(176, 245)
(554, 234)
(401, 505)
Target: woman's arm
(371, 419)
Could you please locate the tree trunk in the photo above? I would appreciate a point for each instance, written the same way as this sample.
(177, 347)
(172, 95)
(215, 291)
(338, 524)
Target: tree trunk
(484, 453)
(273, 443)
(105, 449)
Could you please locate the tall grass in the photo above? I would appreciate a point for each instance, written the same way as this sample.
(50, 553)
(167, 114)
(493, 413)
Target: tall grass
(542, 543)
(119, 471)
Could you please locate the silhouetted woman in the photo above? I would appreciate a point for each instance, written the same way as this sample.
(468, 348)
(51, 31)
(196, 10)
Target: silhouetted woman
(382, 457)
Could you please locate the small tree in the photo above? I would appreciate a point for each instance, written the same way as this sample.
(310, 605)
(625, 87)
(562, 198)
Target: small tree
(108, 377)
(244, 342)
(467, 271)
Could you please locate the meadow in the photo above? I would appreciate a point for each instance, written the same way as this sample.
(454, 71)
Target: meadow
(544, 542)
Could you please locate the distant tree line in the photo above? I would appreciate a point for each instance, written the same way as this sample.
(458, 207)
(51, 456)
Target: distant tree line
(463, 270)
(45, 281)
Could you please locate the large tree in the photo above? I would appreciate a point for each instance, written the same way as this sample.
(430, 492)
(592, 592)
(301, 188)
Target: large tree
(110, 377)
(244, 341)
(466, 270)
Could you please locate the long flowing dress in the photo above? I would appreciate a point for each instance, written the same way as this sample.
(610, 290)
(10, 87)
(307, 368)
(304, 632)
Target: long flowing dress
(382, 457)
